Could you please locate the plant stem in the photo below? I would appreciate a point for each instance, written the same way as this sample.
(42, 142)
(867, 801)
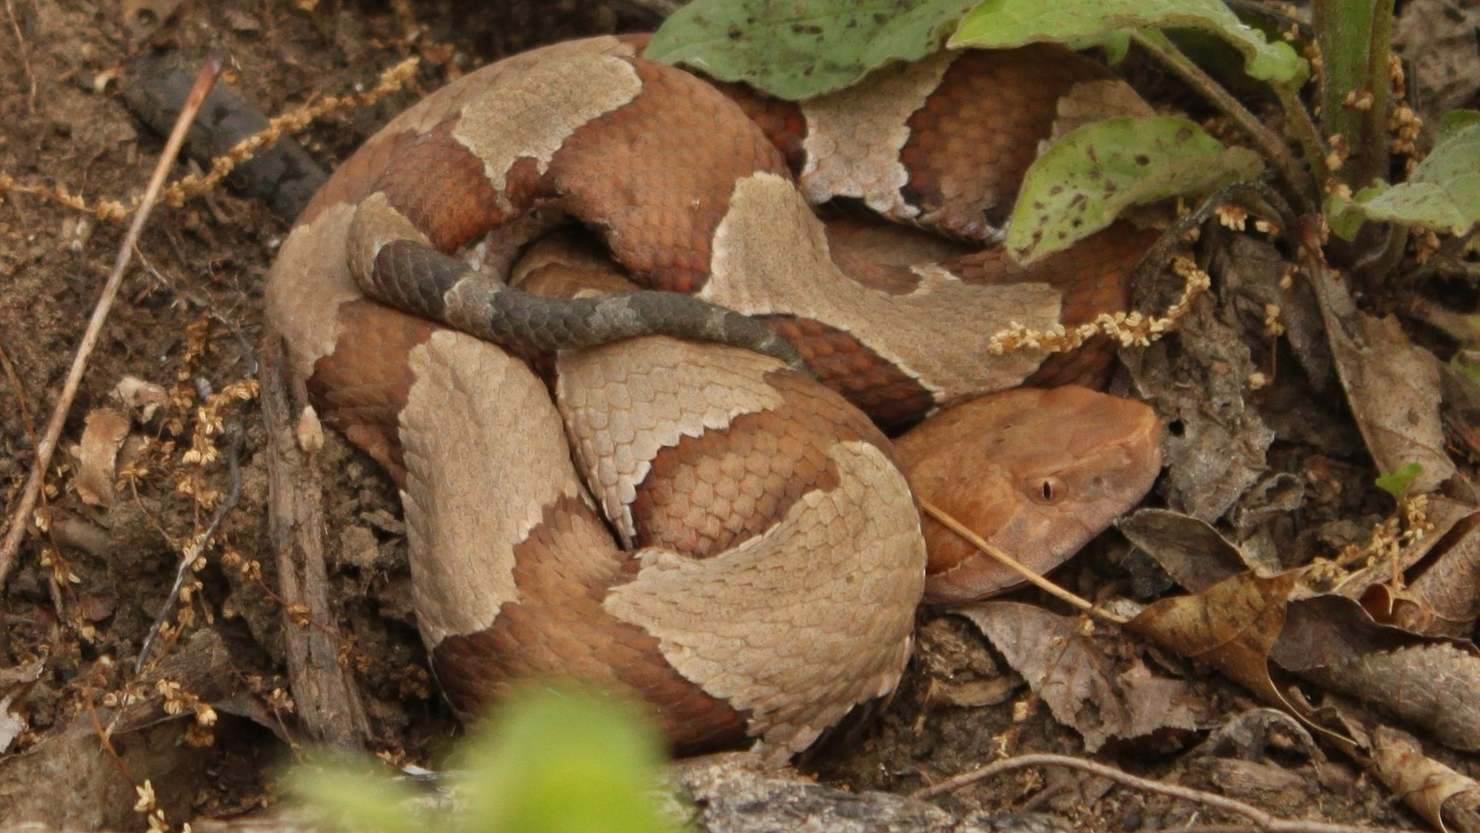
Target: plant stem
(1343, 33)
(1373, 161)
(1273, 146)
(1299, 122)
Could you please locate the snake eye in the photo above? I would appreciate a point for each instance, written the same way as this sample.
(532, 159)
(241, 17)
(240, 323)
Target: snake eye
(1050, 490)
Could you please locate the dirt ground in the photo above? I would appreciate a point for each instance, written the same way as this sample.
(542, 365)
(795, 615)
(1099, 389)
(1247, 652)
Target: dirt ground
(83, 597)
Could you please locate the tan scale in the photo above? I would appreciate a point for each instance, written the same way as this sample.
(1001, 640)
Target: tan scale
(619, 413)
(843, 567)
(854, 137)
(310, 280)
(532, 117)
(480, 472)
(1092, 101)
(771, 256)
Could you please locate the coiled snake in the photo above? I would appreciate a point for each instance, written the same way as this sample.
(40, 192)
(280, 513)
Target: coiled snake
(704, 523)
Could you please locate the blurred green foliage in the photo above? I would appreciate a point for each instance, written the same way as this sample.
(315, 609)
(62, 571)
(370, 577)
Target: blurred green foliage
(550, 760)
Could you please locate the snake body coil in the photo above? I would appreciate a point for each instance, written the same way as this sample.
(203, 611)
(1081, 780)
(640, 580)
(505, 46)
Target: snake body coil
(705, 525)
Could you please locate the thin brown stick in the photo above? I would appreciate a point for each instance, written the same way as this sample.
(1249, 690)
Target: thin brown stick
(1274, 147)
(1265, 821)
(24, 50)
(1298, 123)
(198, 544)
(949, 522)
(18, 521)
(22, 408)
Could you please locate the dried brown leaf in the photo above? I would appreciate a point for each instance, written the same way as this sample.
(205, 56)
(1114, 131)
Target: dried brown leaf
(1080, 686)
(1391, 384)
(14, 682)
(1230, 626)
(977, 693)
(137, 394)
(1450, 586)
(1216, 442)
(1399, 608)
(1192, 552)
(1440, 515)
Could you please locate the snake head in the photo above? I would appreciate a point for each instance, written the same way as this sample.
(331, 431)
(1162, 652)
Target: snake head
(1036, 472)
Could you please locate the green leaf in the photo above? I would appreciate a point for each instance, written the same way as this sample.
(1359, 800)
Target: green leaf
(796, 49)
(357, 795)
(1344, 216)
(1081, 183)
(1442, 194)
(1469, 370)
(1116, 45)
(568, 761)
(1457, 120)
(1396, 483)
(1003, 23)
(556, 760)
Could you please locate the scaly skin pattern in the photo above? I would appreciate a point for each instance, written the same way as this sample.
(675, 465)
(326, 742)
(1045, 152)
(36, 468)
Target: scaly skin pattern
(699, 521)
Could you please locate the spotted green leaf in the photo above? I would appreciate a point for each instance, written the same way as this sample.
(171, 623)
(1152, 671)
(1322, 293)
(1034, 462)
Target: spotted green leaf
(1080, 184)
(1003, 23)
(795, 49)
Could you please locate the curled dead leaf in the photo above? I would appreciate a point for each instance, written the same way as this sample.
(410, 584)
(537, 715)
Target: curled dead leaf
(1448, 799)
(102, 436)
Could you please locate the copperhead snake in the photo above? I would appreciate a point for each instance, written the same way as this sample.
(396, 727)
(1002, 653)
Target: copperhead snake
(704, 523)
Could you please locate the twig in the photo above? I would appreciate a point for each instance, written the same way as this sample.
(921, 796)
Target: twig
(23, 409)
(330, 708)
(1247, 193)
(1013, 564)
(18, 521)
(24, 51)
(1264, 821)
(105, 738)
(1299, 122)
(1449, 261)
(1270, 142)
(197, 546)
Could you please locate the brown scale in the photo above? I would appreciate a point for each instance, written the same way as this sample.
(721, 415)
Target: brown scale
(355, 178)
(628, 157)
(839, 361)
(990, 106)
(986, 100)
(648, 153)
(558, 627)
(450, 198)
(361, 387)
(1092, 275)
(781, 121)
(711, 492)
